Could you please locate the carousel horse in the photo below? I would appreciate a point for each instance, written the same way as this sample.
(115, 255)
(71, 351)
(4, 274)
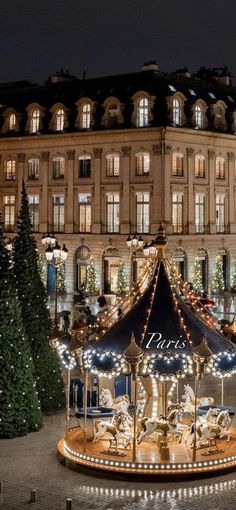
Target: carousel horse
(189, 399)
(206, 430)
(164, 426)
(119, 403)
(119, 431)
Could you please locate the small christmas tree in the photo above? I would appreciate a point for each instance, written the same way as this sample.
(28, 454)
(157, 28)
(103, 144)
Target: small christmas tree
(233, 287)
(19, 405)
(91, 283)
(197, 276)
(121, 280)
(61, 281)
(218, 283)
(35, 313)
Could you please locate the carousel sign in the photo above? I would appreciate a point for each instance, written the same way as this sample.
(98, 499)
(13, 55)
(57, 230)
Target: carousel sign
(162, 343)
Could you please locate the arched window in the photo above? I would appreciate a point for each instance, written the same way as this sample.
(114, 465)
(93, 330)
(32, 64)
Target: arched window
(10, 170)
(177, 164)
(142, 163)
(176, 112)
(199, 166)
(220, 167)
(86, 116)
(12, 122)
(34, 122)
(198, 117)
(60, 120)
(113, 165)
(142, 112)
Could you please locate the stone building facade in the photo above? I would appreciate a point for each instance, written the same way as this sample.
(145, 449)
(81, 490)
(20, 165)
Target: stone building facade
(109, 157)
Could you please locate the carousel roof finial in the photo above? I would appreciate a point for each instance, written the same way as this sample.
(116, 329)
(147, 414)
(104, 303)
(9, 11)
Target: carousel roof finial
(161, 241)
(203, 350)
(133, 355)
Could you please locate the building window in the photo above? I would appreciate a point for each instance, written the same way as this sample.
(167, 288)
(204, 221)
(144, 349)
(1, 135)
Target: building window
(34, 211)
(58, 168)
(86, 116)
(198, 117)
(85, 166)
(142, 163)
(34, 122)
(177, 164)
(10, 170)
(113, 212)
(199, 166)
(220, 213)
(58, 213)
(176, 112)
(85, 212)
(33, 169)
(177, 212)
(12, 122)
(113, 165)
(142, 213)
(142, 112)
(9, 212)
(199, 213)
(60, 120)
(220, 168)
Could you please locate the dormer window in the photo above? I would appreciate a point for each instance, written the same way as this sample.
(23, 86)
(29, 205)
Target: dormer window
(86, 116)
(60, 120)
(12, 122)
(142, 112)
(113, 115)
(176, 112)
(198, 117)
(219, 116)
(35, 120)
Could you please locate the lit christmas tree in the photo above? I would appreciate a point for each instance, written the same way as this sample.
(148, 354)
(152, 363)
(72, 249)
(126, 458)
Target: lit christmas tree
(41, 269)
(61, 281)
(197, 276)
(91, 283)
(35, 313)
(121, 280)
(218, 283)
(233, 287)
(19, 405)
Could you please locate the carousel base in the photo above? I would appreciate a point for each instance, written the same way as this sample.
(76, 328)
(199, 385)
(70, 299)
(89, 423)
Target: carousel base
(209, 460)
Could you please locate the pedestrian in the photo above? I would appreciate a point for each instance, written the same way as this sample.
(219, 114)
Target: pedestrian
(101, 300)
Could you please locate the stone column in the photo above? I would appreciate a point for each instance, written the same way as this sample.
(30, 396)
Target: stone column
(69, 225)
(126, 220)
(190, 193)
(44, 212)
(212, 206)
(231, 198)
(96, 223)
(20, 173)
(157, 195)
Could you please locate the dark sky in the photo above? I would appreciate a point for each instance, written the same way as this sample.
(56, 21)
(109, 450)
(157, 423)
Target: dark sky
(39, 37)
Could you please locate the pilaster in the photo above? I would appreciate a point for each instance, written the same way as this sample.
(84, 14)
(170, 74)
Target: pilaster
(96, 223)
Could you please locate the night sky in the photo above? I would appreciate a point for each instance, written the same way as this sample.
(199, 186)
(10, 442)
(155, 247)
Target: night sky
(39, 37)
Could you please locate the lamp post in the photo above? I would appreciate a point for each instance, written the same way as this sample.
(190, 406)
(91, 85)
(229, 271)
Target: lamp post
(134, 243)
(57, 254)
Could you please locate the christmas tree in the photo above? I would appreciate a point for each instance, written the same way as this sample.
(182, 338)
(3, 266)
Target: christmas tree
(61, 281)
(41, 269)
(35, 313)
(19, 405)
(218, 283)
(233, 287)
(91, 283)
(121, 281)
(197, 276)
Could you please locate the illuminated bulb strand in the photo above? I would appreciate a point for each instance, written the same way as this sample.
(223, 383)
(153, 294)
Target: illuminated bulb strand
(119, 363)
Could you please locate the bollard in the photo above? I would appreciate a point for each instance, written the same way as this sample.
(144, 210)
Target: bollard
(33, 496)
(1, 486)
(69, 504)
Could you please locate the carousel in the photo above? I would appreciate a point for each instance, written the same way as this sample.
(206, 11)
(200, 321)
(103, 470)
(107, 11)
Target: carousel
(164, 335)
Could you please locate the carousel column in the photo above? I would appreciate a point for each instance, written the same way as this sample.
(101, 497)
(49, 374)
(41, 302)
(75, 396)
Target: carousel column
(133, 356)
(68, 403)
(85, 409)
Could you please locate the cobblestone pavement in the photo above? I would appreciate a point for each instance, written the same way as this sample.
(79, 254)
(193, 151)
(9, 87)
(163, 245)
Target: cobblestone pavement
(31, 462)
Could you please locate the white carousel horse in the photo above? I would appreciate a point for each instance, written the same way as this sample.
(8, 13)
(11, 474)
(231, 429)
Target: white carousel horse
(189, 399)
(119, 432)
(119, 403)
(164, 426)
(206, 430)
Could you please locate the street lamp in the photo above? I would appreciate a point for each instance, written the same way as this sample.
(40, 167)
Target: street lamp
(57, 254)
(134, 243)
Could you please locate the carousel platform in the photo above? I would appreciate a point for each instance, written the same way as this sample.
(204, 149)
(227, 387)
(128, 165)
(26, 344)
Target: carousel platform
(220, 456)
